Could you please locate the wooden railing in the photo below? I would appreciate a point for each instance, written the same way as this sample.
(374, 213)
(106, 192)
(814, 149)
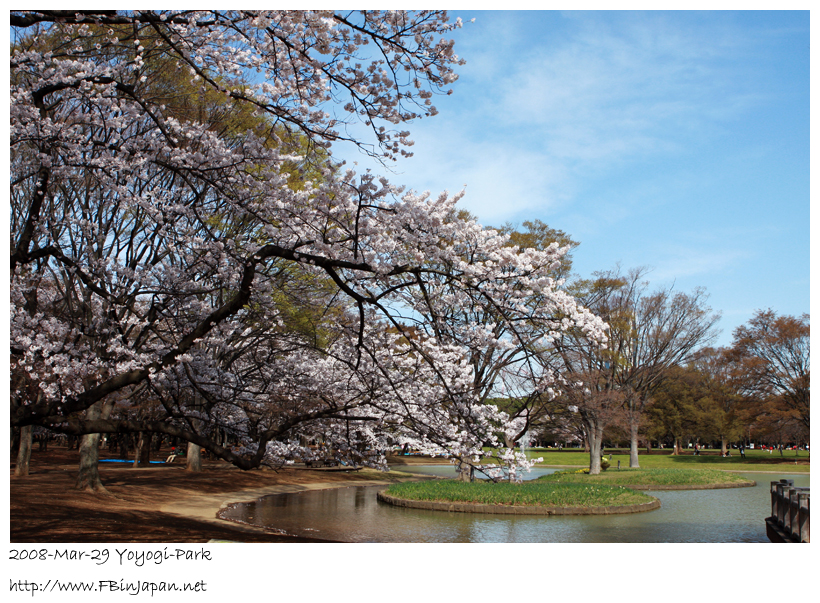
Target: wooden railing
(790, 513)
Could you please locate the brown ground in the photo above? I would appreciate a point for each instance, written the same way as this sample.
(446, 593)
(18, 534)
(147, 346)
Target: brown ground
(162, 503)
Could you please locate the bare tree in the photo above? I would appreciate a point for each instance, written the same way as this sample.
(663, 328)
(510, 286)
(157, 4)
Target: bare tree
(720, 382)
(774, 352)
(592, 396)
(648, 334)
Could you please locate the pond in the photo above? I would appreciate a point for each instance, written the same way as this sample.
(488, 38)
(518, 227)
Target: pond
(354, 515)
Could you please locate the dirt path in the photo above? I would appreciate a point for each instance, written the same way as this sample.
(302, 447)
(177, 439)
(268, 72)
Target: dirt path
(154, 504)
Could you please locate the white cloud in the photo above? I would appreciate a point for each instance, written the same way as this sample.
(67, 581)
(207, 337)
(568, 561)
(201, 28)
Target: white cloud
(528, 128)
(503, 179)
(607, 96)
(685, 262)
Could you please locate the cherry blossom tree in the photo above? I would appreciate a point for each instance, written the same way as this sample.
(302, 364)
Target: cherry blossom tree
(152, 244)
(502, 352)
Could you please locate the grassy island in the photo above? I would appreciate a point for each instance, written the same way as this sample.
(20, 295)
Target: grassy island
(677, 478)
(534, 493)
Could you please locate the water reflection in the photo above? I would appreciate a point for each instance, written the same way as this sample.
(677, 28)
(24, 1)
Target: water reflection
(354, 515)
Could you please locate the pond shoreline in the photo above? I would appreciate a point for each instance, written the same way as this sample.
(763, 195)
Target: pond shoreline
(159, 503)
(363, 515)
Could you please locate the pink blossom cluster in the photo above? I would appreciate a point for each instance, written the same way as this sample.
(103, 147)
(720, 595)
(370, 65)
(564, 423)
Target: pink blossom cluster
(174, 212)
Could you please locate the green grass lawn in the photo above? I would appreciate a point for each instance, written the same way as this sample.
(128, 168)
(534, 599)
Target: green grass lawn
(649, 477)
(534, 493)
(756, 460)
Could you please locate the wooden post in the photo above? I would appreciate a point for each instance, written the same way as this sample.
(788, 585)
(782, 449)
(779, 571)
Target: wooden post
(800, 523)
(779, 510)
(794, 529)
(782, 497)
(786, 503)
(803, 516)
(773, 491)
(790, 512)
(796, 496)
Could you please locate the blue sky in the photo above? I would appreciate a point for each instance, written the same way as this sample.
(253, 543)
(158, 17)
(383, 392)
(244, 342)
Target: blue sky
(674, 140)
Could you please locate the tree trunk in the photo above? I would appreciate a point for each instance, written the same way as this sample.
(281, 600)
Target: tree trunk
(88, 477)
(466, 472)
(142, 456)
(633, 442)
(193, 458)
(676, 450)
(125, 445)
(595, 436)
(724, 446)
(138, 450)
(23, 452)
(15, 440)
(145, 457)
